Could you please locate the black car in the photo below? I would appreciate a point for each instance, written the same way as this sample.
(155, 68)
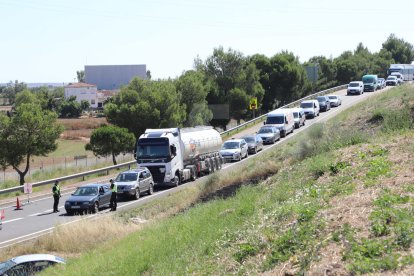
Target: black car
(90, 197)
(324, 103)
(254, 143)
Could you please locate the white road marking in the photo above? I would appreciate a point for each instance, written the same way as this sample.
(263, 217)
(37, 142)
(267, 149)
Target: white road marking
(7, 221)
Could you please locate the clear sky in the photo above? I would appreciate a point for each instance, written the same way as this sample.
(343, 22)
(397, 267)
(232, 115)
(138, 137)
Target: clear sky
(48, 41)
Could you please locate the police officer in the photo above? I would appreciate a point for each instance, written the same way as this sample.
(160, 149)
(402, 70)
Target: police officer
(114, 190)
(56, 196)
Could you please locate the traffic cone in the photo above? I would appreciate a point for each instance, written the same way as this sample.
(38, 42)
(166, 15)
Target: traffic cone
(2, 216)
(18, 206)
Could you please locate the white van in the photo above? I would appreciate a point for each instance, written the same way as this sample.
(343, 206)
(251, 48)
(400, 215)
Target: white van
(311, 108)
(282, 119)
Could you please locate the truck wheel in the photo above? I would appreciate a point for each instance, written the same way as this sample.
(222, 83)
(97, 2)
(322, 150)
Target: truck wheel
(218, 160)
(137, 194)
(177, 179)
(193, 176)
(213, 165)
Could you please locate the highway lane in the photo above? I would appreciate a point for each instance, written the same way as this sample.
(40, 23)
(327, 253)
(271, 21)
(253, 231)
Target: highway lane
(38, 219)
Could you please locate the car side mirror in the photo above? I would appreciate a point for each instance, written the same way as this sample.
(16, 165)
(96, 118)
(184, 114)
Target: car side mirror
(101, 192)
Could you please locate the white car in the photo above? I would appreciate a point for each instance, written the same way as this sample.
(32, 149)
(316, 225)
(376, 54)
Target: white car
(29, 264)
(234, 150)
(335, 100)
(355, 87)
(392, 80)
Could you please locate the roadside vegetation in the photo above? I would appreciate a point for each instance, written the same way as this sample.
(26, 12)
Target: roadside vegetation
(337, 198)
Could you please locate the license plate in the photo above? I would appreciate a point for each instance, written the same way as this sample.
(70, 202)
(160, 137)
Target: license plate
(75, 207)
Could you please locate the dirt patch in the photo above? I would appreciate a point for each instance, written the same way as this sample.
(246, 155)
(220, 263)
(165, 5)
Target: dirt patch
(355, 209)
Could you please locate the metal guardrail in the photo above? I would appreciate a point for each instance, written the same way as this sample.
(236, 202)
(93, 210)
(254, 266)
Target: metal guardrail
(253, 121)
(68, 177)
(227, 132)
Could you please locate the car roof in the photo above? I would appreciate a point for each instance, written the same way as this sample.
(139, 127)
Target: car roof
(93, 185)
(37, 257)
(136, 170)
(308, 101)
(297, 109)
(234, 140)
(250, 135)
(332, 95)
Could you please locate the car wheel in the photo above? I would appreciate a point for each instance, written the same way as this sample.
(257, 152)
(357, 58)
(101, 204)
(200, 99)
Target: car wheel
(137, 194)
(255, 150)
(303, 124)
(95, 208)
(151, 189)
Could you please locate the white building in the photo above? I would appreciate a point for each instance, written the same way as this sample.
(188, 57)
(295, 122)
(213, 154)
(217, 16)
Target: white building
(83, 92)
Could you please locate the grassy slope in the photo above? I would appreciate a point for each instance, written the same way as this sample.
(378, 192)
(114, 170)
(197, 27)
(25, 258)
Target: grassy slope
(330, 201)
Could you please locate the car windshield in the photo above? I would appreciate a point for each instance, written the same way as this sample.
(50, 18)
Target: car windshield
(126, 177)
(275, 120)
(230, 145)
(391, 78)
(249, 139)
(306, 105)
(6, 265)
(332, 97)
(296, 114)
(368, 80)
(86, 191)
(353, 84)
(265, 130)
(321, 99)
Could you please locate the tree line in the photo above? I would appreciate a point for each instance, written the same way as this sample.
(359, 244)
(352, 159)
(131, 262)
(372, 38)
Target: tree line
(227, 78)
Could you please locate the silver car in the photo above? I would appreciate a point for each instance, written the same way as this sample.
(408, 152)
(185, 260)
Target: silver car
(254, 143)
(133, 183)
(335, 100)
(29, 264)
(269, 134)
(234, 150)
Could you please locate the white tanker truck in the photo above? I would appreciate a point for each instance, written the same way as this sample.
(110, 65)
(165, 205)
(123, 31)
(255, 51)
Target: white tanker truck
(175, 155)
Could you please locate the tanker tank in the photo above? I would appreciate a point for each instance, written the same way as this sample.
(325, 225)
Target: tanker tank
(199, 141)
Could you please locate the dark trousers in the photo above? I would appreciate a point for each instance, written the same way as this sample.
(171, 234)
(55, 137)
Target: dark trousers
(112, 203)
(55, 203)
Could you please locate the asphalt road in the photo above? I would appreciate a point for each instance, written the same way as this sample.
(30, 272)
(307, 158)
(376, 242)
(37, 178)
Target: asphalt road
(37, 218)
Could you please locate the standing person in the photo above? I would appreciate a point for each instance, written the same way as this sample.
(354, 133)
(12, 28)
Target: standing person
(56, 196)
(114, 190)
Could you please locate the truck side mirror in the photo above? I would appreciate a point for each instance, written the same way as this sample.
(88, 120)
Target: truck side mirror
(173, 150)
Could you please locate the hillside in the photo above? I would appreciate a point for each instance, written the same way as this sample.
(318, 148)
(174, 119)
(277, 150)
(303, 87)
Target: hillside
(337, 199)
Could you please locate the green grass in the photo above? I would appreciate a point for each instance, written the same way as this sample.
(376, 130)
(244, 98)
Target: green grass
(274, 219)
(70, 148)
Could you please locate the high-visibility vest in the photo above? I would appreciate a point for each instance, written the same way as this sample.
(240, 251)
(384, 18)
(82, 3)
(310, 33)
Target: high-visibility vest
(56, 190)
(114, 188)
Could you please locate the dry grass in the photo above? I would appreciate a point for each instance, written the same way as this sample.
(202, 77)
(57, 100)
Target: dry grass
(82, 123)
(73, 239)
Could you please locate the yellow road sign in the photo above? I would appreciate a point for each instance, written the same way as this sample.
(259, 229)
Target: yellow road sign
(253, 103)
